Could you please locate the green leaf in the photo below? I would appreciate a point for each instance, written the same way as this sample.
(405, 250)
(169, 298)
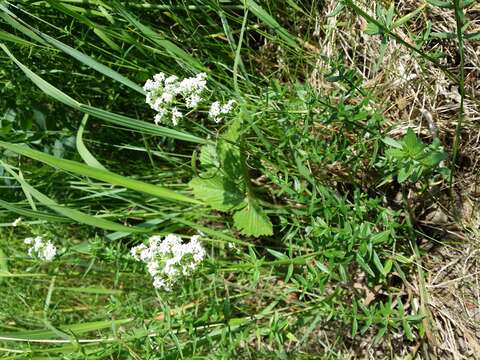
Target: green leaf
(84, 153)
(159, 40)
(434, 159)
(373, 29)
(407, 17)
(410, 140)
(392, 142)
(3, 265)
(218, 192)
(125, 121)
(404, 173)
(252, 221)
(102, 175)
(338, 9)
(73, 214)
(277, 254)
(31, 213)
(229, 151)
(441, 4)
(364, 265)
(76, 329)
(85, 59)
(209, 157)
(271, 22)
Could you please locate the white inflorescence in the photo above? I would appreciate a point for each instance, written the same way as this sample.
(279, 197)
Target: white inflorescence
(169, 259)
(163, 91)
(39, 248)
(217, 110)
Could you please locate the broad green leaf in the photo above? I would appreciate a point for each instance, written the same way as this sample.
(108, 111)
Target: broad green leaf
(102, 175)
(209, 157)
(218, 192)
(412, 144)
(252, 221)
(84, 153)
(229, 150)
(73, 214)
(434, 159)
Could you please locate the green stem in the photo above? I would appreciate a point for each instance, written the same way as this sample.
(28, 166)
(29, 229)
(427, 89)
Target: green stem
(458, 128)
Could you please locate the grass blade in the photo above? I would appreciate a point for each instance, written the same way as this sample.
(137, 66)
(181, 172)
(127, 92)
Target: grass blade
(84, 153)
(121, 120)
(157, 39)
(73, 214)
(102, 175)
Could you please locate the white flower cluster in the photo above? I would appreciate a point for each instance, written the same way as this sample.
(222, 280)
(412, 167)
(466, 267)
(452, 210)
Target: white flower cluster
(217, 109)
(162, 91)
(169, 259)
(39, 248)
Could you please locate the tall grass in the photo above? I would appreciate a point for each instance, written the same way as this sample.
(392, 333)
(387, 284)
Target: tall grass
(293, 194)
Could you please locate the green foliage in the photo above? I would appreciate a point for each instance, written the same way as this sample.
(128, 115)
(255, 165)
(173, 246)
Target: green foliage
(225, 184)
(285, 193)
(412, 160)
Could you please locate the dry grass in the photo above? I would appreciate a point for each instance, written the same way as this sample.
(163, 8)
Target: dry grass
(414, 93)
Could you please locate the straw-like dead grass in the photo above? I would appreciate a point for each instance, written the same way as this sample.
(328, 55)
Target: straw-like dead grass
(414, 93)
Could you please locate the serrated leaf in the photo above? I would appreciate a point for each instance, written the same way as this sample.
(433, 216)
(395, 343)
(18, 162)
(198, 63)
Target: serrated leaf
(229, 150)
(209, 157)
(219, 192)
(252, 221)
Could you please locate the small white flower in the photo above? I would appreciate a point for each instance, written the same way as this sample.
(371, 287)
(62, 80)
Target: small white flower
(162, 92)
(49, 251)
(217, 109)
(42, 250)
(28, 240)
(17, 222)
(176, 115)
(170, 259)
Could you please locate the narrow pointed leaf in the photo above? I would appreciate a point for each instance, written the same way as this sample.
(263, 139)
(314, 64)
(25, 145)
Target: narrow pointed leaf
(102, 175)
